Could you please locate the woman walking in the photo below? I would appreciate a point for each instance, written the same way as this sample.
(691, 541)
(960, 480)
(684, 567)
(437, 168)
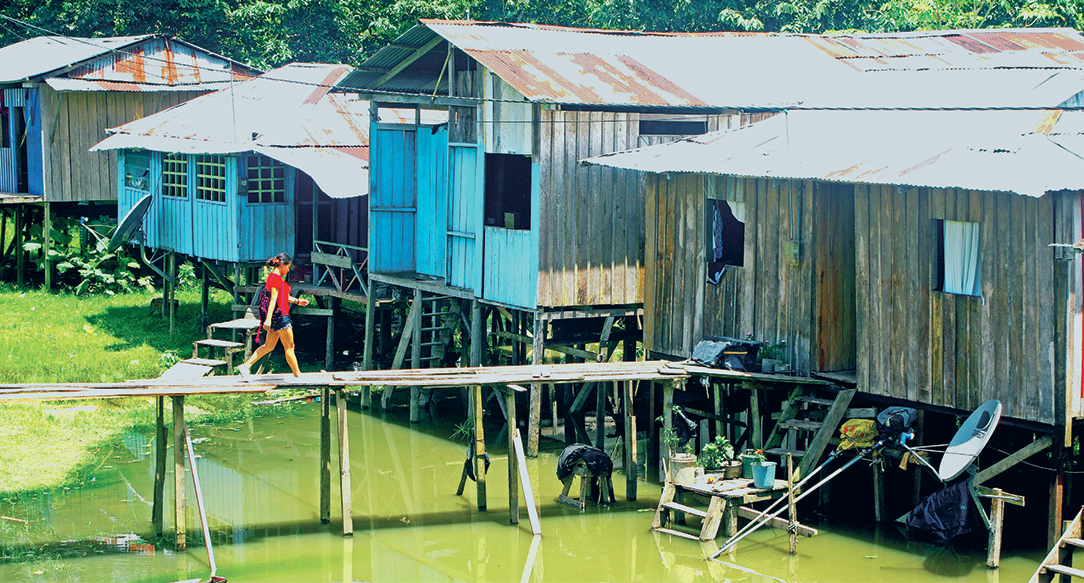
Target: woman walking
(276, 321)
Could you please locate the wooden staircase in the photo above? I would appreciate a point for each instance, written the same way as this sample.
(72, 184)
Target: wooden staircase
(671, 512)
(428, 330)
(806, 425)
(228, 348)
(1060, 559)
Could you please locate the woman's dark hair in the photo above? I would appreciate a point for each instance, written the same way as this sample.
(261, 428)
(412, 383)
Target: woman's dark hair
(280, 259)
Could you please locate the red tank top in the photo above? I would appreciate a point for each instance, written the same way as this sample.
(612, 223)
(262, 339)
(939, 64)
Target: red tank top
(275, 281)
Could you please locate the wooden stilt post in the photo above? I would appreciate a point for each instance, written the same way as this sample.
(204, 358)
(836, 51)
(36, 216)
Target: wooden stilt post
(479, 445)
(792, 508)
(631, 463)
(180, 523)
(204, 297)
(477, 342)
(651, 464)
(1057, 494)
(600, 415)
(329, 349)
(997, 521)
(667, 422)
(161, 446)
(172, 290)
(756, 437)
(325, 454)
(717, 404)
(20, 253)
(416, 353)
(534, 419)
(878, 492)
(344, 464)
(367, 358)
(513, 459)
(46, 245)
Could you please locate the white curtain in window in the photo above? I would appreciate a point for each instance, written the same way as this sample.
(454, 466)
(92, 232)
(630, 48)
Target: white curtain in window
(738, 210)
(962, 263)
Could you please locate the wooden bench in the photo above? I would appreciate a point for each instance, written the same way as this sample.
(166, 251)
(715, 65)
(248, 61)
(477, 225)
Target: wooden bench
(605, 484)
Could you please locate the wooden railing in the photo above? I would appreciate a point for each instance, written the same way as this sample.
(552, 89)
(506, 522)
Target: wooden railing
(335, 262)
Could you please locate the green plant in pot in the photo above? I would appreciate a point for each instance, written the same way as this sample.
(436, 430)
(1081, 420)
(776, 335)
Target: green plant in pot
(718, 457)
(773, 356)
(681, 468)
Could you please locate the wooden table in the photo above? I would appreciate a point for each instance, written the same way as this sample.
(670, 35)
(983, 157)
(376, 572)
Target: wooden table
(726, 497)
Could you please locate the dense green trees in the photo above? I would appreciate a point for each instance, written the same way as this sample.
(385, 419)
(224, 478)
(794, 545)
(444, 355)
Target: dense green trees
(269, 33)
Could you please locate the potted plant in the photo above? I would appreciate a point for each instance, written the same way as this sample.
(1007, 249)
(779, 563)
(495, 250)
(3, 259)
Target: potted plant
(747, 458)
(772, 356)
(682, 466)
(763, 471)
(718, 457)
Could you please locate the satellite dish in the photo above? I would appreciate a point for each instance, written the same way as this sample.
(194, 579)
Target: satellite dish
(131, 223)
(969, 440)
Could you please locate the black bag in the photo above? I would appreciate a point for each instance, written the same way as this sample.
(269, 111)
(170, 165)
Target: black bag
(728, 353)
(263, 304)
(896, 420)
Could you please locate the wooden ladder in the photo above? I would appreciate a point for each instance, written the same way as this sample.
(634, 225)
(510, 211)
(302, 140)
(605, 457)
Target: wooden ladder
(794, 420)
(1060, 559)
(711, 518)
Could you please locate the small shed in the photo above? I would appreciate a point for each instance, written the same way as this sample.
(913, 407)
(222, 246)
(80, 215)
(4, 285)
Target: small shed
(273, 164)
(58, 94)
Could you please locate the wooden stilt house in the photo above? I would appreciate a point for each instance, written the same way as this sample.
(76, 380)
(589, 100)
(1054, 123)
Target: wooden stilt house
(274, 164)
(57, 96)
(919, 270)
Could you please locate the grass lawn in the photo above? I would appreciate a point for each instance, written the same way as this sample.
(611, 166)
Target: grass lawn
(60, 337)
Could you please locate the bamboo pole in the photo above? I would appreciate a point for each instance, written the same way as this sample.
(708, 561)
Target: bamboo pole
(344, 465)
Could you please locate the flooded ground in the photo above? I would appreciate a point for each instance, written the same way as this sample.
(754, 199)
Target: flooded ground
(261, 485)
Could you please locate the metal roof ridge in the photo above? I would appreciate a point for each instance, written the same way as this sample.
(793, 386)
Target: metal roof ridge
(604, 31)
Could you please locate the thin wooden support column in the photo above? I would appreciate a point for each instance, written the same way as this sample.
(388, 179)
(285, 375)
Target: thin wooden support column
(1056, 495)
(792, 508)
(878, 492)
(667, 423)
(534, 418)
(479, 445)
(46, 245)
(513, 459)
(416, 354)
(371, 311)
(20, 253)
(180, 522)
(329, 348)
(997, 521)
(344, 464)
(325, 455)
(161, 447)
(651, 464)
(600, 415)
(171, 299)
(718, 407)
(631, 463)
(477, 341)
(204, 297)
(756, 433)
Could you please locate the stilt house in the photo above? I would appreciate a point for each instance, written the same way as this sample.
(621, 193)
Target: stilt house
(58, 94)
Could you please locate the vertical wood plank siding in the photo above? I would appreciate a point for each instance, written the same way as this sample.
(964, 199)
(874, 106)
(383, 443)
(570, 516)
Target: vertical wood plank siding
(1014, 343)
(591, 230)
(393, 199)
(73, 122)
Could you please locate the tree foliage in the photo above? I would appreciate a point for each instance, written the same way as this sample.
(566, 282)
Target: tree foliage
(270, 33)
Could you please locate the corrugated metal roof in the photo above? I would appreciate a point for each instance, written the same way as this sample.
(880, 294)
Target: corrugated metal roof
(149, 60)
(37, 56)
(286, 114)
(1006, 67)
(1027, 152)
(83, 85)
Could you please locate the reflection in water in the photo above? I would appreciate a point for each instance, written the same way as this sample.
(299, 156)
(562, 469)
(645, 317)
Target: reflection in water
(261, 486)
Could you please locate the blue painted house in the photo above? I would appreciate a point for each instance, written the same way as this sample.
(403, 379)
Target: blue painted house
(274, 164)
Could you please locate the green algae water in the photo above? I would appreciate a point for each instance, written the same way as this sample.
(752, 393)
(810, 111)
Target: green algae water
(260, 481)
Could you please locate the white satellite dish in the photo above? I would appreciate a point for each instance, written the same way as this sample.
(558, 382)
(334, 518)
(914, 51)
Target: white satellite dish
(969, 440)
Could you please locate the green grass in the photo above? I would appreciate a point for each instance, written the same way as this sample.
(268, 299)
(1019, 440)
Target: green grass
(60, 337)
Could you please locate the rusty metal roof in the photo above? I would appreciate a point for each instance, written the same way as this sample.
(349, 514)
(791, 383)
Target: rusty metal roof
(145, 60)
(1028, 152)
(286, 114)
(550, 64)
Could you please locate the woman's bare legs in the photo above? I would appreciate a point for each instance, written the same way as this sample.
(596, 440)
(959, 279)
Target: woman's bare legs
(272, 341)
(287, 337)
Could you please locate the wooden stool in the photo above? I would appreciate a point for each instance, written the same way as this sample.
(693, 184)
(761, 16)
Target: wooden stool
(606, 487)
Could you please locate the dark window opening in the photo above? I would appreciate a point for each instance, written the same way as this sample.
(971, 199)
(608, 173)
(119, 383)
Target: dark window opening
(664, 127)
(726, 237)
(508, 191)
(137, 170)
(5, 127)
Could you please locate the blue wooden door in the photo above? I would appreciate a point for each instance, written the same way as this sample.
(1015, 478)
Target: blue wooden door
(432, 200)
(392, 198)
(465, 212)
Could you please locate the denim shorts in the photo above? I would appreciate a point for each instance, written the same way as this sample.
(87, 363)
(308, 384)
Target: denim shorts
(280, 321)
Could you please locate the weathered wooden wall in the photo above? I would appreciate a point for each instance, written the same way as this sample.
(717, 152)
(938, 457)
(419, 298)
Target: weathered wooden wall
(768, 297)
(927, 346)
(591, 228)
(73, 121)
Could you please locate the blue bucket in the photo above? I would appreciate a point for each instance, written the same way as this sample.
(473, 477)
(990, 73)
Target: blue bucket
(764, 475)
